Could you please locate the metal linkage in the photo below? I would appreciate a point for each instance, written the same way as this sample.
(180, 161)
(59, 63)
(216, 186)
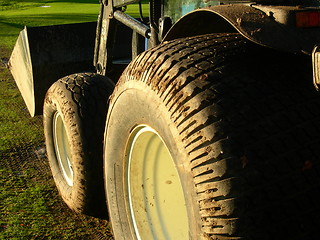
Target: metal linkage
(132, 23)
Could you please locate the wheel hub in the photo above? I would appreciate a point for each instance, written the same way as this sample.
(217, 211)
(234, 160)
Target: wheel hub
(155, 195)
(62, 148)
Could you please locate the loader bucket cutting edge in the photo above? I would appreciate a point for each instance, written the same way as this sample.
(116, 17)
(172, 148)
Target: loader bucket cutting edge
(42, 55)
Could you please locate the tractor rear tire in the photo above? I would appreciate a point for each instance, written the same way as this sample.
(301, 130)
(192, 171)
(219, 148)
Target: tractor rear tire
(209, 137)
(74, 120)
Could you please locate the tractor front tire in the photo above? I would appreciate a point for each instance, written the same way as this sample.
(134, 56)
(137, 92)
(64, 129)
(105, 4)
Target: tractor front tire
(74, 120)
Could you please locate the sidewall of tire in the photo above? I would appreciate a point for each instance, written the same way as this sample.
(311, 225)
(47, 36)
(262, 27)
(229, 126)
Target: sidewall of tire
(57, 100)
(136, 104)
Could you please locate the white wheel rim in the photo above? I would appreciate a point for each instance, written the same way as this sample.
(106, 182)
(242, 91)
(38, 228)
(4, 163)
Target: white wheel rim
(62, 148)
(156, 200)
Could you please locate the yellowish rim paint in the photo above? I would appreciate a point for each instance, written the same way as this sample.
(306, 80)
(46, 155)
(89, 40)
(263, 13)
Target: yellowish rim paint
(155, 197)
(62, 148)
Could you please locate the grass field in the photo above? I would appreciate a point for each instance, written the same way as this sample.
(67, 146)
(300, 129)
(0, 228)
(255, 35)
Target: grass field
(30, 207)
(16, 14)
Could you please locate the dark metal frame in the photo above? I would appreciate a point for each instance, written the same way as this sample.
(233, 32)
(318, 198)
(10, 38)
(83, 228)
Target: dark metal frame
(268, 25)
(113, 27)
(118, 38)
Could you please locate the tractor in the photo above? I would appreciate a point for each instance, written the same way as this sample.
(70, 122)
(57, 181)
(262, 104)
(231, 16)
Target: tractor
(197, 120)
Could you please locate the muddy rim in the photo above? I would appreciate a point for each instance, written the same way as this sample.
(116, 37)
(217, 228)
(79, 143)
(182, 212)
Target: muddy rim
(62, 148)
(155, 196)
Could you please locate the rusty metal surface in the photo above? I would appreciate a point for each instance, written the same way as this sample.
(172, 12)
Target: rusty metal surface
(132, 23)
(254, 24)
(42, 55)
(290, 2)
(257, 26)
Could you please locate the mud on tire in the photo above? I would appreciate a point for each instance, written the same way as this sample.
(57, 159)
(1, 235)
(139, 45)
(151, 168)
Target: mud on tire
(242, 125)
(74, 118)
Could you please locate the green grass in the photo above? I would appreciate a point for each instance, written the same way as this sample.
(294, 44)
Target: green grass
(16, 126)
(17, 204)
(30, 210)
(29, 204)
(14, 16)
(17, 14)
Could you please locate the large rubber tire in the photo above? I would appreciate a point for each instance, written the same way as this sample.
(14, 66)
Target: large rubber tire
(241, 131)
(74, 119)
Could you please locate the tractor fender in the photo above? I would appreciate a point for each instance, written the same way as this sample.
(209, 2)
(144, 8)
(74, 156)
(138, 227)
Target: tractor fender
(250, 22)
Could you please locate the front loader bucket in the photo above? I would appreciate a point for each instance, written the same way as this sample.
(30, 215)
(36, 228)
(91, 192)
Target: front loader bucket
(42, 55)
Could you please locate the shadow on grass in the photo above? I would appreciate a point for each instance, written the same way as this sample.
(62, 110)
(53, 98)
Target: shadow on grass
(76, 1)
(10, 24)
(47, 19)
(70, 17)
(71, 1)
